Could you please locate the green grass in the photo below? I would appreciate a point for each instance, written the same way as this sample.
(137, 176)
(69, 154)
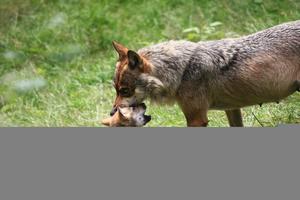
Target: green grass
(65, 47)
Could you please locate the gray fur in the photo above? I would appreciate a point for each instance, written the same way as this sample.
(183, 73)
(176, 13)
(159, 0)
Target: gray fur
(229, 73)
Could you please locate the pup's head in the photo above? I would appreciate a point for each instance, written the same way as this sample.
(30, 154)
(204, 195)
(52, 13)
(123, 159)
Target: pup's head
(128, 116)
(130, 89)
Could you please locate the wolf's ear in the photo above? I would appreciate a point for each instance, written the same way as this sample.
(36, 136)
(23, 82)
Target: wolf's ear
(106, 121)
(134, 60)
(122, 50)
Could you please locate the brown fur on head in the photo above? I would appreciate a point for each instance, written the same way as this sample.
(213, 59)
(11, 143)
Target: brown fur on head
(130, 80)
(128, 116)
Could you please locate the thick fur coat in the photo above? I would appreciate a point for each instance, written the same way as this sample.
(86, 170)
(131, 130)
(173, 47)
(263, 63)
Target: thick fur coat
(225, 74)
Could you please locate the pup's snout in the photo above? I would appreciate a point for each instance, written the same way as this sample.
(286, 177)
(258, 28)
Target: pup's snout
(113, 111)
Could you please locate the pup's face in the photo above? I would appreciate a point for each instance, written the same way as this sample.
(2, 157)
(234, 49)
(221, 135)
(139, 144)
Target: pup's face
(128, 116)
(129, 68)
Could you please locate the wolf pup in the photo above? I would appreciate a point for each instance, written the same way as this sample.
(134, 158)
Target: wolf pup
(128, 116)
(225, 74)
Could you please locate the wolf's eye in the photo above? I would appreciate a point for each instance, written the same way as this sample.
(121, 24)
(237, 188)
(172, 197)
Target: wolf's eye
(124, 92)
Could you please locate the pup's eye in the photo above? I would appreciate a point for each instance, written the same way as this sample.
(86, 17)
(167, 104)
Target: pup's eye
(124, 92)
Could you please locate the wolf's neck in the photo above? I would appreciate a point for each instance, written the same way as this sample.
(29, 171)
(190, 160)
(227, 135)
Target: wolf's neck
(177, 61)
(169, 61)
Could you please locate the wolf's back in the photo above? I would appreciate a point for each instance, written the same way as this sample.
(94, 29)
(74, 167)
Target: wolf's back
(284, 37)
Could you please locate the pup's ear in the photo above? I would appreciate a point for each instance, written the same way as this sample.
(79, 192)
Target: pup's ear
(106, 121)
(134, 60)
(122, 50)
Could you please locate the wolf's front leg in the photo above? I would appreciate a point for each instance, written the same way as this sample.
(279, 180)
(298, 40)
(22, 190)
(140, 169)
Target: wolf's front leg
(195, 117)
(234, 117)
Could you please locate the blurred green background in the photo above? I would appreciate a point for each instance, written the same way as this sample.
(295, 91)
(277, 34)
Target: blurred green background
(57, 61)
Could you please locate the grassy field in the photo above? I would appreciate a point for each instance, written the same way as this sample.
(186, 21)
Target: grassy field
(57, 62)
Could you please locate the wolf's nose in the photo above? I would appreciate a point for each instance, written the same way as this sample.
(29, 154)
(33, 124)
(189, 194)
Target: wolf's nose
(113, 111)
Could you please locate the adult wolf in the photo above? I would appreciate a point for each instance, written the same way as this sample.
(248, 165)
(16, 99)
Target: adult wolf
(225, 74)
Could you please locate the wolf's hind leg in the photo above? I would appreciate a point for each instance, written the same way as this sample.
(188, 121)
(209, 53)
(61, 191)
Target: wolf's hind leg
(234, 117)
(297, 85)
